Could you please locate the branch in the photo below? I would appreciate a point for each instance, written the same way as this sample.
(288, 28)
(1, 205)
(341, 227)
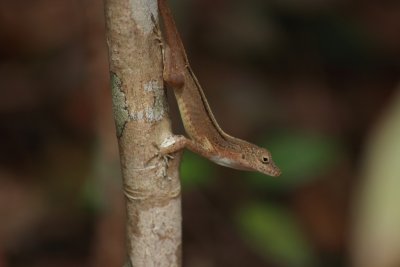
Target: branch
(151, 184)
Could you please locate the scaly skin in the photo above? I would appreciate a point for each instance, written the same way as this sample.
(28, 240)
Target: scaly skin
(206, 137)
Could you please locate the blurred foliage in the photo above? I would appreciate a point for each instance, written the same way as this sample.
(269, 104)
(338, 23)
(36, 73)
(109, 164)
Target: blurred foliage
(377, 215)
(196, 171)
(95, 183)
(301, 157)
(274, 233)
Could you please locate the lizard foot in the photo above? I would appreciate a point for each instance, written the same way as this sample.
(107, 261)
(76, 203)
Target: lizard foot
(169, 146)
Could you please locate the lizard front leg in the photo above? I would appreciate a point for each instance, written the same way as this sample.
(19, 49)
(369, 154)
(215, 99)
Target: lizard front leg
(176, 143)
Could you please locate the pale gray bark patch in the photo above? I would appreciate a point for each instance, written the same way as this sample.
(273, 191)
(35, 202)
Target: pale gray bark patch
(140, 13)
(156, 111)
(120, 108)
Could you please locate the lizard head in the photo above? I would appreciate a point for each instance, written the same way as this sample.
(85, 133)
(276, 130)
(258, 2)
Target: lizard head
(259, 159)
(249, 158)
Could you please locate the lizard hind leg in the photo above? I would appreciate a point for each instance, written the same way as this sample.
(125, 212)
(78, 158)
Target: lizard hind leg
(173, 75)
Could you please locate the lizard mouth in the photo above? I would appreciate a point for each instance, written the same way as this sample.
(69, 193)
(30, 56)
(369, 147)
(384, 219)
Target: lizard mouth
(274, 171)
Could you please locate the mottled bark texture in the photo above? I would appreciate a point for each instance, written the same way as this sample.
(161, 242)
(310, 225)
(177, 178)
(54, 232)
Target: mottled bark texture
(151, 183)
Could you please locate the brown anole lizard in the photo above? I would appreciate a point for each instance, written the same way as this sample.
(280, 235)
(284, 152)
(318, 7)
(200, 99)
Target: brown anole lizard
(206, 138)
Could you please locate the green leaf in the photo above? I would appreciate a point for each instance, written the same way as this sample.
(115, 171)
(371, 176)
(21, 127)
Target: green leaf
(195, 171)
(301, 157)
(273, 232)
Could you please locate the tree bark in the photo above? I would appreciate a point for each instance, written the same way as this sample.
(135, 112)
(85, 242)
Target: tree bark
(151, 184)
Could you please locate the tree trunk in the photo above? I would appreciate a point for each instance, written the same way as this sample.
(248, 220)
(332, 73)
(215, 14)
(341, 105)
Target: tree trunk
(151, 184)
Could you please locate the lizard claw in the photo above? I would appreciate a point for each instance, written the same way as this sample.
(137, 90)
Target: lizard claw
(170, 145)
(158, 154)
(165, 157)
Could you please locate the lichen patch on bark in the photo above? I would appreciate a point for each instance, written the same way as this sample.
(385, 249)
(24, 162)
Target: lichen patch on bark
(120, 108)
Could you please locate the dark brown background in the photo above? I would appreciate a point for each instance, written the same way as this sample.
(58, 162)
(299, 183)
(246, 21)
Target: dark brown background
(308, 79)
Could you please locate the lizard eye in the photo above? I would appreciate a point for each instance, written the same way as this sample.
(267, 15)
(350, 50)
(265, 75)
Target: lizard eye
(265, 159)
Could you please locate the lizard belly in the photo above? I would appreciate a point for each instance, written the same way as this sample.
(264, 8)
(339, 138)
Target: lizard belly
(227, 162)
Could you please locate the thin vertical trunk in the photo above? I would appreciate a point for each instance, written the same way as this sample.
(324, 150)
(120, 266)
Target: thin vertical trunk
(151, 186)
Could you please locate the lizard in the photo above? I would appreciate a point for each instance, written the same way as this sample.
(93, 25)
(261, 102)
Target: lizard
(206, 137)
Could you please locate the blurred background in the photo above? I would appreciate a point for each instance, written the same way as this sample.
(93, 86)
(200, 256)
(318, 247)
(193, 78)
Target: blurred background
(314, 81)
